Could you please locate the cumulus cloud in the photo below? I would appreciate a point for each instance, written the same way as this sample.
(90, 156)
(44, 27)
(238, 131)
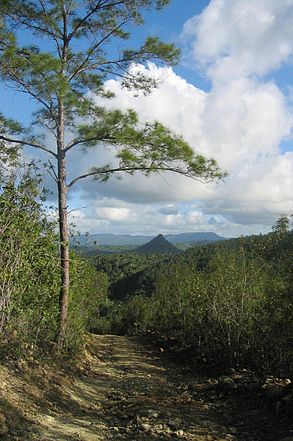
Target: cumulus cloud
(241, 122)
(241, 125)
(114, 216)
(244, 121)
(233, 38)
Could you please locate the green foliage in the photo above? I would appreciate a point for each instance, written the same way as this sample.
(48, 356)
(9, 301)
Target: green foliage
(130, 273)
(88, 290)
(29, 268)
(227, 304)
(30, 276)
(77, 46)
(42, 71)
(55, 73)
(116, 317)
(9, 154)
(282, 225)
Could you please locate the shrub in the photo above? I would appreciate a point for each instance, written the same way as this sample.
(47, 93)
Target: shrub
(29, 268)
(30, 276)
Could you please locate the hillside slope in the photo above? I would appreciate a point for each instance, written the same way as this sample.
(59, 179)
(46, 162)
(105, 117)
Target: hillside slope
(158, 245)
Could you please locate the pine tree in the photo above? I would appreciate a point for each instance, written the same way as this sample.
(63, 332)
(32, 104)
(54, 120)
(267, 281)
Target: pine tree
(63, 71)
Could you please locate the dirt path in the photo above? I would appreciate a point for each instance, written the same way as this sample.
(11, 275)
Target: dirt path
(124, 391)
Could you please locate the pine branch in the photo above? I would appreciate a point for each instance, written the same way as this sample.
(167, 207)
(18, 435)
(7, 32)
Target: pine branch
(28, 143)
(83, 21)
(148, 169)
(27, 89)
(76, 142)
(93, 49)
(53, 33)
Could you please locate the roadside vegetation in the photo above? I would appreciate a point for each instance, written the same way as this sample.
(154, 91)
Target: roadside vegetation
(30, 274)
(225, 305)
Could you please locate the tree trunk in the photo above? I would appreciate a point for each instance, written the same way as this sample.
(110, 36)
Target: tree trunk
(63, 229)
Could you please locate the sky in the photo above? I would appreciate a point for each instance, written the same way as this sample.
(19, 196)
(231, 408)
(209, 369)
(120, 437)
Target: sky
(230, 97)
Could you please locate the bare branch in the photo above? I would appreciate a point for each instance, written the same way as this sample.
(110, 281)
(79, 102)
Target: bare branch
(76, 209)
(28, 143)
(53, 170)
(52, 176)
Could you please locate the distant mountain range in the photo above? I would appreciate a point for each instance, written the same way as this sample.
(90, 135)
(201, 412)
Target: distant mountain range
(158, 245)
(138, 240)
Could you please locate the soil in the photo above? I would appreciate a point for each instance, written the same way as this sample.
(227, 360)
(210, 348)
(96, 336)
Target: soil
(125, 389)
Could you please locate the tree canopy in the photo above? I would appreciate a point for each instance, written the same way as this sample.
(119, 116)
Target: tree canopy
(59, 53)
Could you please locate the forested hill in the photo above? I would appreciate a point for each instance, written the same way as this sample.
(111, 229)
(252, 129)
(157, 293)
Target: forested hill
(133, 273)
(158, 245)
(229, 302)
(137, 240)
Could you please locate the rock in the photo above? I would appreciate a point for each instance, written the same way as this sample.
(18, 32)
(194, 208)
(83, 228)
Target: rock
(145, 419)
(179, 433)
(145, 427)
(275, 389)
(3, 426)
(175, 424)
(230, 371)
(150, 413)
(166, 430)
(226, 384)
(137, 420)
(233, 430)
(142, 423)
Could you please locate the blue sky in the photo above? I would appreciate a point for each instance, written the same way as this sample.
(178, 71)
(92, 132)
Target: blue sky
(230, 97)
(166, 24)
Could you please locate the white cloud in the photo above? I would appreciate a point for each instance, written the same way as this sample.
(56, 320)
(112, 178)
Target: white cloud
(234, 38)
(241, 124)
(114, 214)
(244, 120)
(107, 215)
(241, 121)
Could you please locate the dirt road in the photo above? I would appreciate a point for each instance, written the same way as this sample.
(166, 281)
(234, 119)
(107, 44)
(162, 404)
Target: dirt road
(123, 391)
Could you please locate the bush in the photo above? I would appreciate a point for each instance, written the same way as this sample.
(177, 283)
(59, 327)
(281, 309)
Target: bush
(236, 311)
(88, 289)
(30, 276)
